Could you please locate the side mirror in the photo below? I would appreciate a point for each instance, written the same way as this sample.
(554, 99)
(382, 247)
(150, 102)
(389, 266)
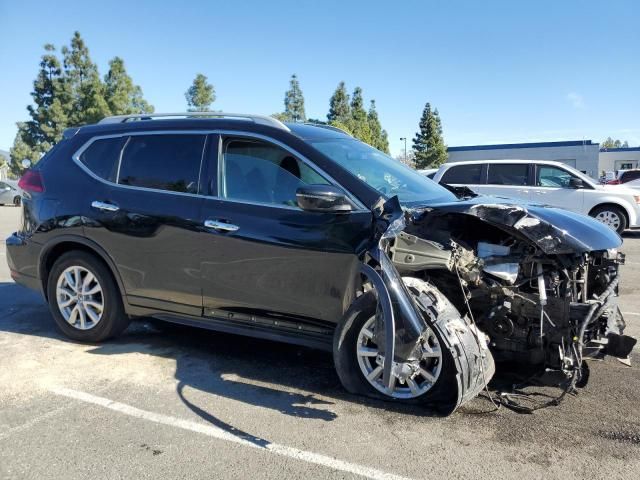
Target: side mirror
(323, 198)
(576, 182)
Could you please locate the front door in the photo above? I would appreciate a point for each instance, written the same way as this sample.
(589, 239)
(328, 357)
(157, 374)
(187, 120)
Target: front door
(553, 187)
(265, 255)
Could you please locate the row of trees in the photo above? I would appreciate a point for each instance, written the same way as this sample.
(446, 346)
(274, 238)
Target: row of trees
(69, 91)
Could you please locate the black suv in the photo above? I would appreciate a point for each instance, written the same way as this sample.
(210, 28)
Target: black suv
(302, 234)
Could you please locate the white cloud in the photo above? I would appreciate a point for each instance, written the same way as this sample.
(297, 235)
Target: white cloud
(576, 100)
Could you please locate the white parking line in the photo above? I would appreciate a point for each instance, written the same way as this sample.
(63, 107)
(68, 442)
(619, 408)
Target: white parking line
(221, 434)
(631, 313)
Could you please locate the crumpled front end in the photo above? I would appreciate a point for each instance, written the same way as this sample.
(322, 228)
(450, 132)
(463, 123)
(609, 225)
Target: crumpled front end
(545, 293)
(409, 308)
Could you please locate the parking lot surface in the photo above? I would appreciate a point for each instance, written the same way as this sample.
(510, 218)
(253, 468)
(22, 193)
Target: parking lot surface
(175, 402)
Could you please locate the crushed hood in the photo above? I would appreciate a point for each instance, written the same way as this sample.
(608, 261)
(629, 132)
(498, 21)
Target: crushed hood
(553, 230)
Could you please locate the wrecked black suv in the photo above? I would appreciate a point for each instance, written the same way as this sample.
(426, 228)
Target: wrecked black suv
(302, 234)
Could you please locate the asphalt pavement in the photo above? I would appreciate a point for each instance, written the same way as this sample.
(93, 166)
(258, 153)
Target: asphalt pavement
(176, 402)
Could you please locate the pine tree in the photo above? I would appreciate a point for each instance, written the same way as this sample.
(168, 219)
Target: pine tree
(358, 124)
(428, 144)
(88, 92)
(49, 113)
(200, 95)
(339, 109)
(378, 135)
(122, 95)
(294, 102)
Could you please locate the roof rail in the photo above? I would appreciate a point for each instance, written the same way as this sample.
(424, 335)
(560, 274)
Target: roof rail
(259, 119)
(328, 127)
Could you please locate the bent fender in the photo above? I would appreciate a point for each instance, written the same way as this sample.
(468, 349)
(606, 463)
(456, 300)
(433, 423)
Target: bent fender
(403, 315)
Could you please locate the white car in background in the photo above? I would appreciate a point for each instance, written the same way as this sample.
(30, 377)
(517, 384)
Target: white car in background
(549, 183)
(10, 193)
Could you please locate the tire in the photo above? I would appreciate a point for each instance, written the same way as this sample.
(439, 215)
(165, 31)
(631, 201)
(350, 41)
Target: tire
(81, 325)
(17, 200)
(612, 216)
(345, 343)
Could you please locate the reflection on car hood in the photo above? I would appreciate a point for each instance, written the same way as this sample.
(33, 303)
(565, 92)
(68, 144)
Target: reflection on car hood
(554, 230)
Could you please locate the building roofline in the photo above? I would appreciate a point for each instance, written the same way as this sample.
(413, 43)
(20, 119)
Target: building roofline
(504, 146)
(628, 149)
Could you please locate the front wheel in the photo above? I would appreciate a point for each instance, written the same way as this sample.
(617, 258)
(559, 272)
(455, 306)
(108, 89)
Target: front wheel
(17, 200)
(612, 216)
(359, 362)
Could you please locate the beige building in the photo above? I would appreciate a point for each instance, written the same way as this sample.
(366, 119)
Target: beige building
(614, 159)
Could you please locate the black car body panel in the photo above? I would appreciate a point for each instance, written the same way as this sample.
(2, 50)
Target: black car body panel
(552, 229)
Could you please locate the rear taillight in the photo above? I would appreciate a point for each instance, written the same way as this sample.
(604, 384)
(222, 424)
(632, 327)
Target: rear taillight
(613, 182)
(31, 181)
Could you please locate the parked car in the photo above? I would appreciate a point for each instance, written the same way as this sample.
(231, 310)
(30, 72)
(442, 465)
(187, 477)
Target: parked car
(628, 178)
(301, 233)
(548, 183)
(9, 193)
(428, 172)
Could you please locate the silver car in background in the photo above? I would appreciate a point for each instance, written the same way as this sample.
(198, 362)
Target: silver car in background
(10, 193)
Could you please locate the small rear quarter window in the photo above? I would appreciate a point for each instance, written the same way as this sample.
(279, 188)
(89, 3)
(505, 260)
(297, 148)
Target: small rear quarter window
(102, 156)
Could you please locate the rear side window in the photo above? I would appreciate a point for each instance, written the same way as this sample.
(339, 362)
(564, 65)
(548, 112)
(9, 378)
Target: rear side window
(463, 174)
(507, 174)
(102, 156)
(164, 162)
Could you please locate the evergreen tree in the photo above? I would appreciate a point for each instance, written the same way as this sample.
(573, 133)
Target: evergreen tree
(339, 109)
(378, 135)
(294, 102)
(122, 95)
(428, 144)
(49, 113)
(88, 103)
(200, 95)
(358, 124)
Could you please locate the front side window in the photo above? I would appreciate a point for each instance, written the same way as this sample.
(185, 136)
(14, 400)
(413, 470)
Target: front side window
(549, 176)
(102, 157)
(462, 175)
(507, 174)
(257, 171)
(165, 162)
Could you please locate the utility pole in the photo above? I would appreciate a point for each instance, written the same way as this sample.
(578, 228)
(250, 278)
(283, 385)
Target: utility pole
(405, 148)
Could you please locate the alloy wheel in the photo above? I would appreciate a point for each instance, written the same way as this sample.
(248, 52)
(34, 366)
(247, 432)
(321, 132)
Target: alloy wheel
(610, 219)
(79, 297)
(423, 373)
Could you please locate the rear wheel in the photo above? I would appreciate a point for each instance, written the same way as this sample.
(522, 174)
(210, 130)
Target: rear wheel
(359, 362)
(84, 299)
(611, 216)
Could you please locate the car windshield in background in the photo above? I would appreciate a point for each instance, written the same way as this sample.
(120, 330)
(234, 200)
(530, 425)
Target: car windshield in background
(388, 176)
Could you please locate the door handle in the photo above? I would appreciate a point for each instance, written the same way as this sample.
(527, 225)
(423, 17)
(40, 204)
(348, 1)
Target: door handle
(221, 226)
(104, 206)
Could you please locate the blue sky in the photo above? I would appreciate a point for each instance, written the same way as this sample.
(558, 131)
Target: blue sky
(499, 72)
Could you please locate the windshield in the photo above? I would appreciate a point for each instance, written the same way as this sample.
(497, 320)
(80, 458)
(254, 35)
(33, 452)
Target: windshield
(388, 176)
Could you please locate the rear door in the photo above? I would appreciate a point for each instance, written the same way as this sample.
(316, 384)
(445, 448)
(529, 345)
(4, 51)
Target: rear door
(509, 180)
(552, 186)
(145, 213)
(263, 255)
